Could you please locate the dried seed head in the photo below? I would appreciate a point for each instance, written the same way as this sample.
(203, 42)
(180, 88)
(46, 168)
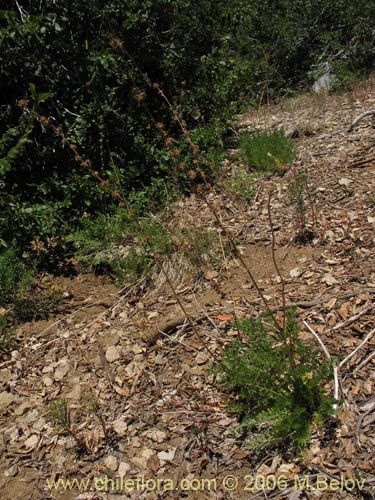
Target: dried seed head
(22, 103)
(192, 174)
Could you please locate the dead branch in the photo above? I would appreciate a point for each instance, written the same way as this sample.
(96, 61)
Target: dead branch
(366, 339)
(359, 118)
(335, 369)
(364, 362)
(362, 163)
(354, 318)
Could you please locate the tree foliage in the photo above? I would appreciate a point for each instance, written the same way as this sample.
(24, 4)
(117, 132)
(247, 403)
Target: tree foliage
(79, 110)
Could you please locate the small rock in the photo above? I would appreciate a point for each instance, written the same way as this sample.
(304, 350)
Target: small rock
(201, 359)
(31, 416)
(61, 370)
(152, 315)
(137, 349)
(12, 471)
(159, 359)
(295, 273)
(345, 181)
(47, 381)
(6, 398)
(329, 279)
(164, 456)
(75, 393)
(111, 462)
(136, 442)
(31, 442)
(22, 409)
(39, 424)
(140, 462)
(113, 353)
(123, 469)
(5, 375)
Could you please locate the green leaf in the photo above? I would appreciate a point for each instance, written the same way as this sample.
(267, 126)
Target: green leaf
(32, 90)
(13, 153)
(5, 166)
(43, 97)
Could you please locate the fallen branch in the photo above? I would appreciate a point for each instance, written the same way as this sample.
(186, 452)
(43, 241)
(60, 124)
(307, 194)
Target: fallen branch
(325, 298)
(362, 163)
(335, 369)
(366, 339)
(364, 362)
(359, 118)
(354, 318)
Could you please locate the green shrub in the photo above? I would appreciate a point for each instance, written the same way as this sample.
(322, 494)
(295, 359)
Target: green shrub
(267, 151)
(278, 386)
(12, 272)
(6, 335)
(18, 289)
(123, 244)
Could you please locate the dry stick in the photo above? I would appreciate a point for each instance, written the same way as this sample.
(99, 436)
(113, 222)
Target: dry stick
(362, 163)
(366, 339)
(360, 422)
(182, 307)
(364, 362)
(240, 258)
(276, 264)
(359, 118)
(335, 370)
(354, 318)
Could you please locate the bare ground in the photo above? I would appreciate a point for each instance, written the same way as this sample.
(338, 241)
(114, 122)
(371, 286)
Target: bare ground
(141, 404)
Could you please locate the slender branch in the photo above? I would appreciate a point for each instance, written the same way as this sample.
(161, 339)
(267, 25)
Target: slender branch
(335, 369)
(326, 352)
(364, 362)
(362, 163)
(20, 11)
(359, 118)
(182, 307)
(366, 339)
(353, 318)
(276, 266)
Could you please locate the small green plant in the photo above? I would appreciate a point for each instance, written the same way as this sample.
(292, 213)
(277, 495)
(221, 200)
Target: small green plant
(241, 184)
(279, 386)
(19, 290)
(60, 415)
(301, 199)
(7, 339)
(123, 244)
(267, 152)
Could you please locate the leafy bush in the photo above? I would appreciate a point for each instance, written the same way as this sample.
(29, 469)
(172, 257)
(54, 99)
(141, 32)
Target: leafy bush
(279, 386)
(80, 113)
(123, 244)
(6, 335)
(19, 291)
(267, 151)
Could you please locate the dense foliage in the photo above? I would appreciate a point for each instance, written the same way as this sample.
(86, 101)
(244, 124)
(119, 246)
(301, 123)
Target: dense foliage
(279, 385)
(81, 117)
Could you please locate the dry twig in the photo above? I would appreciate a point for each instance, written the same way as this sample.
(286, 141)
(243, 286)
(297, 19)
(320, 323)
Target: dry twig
(359, 118)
